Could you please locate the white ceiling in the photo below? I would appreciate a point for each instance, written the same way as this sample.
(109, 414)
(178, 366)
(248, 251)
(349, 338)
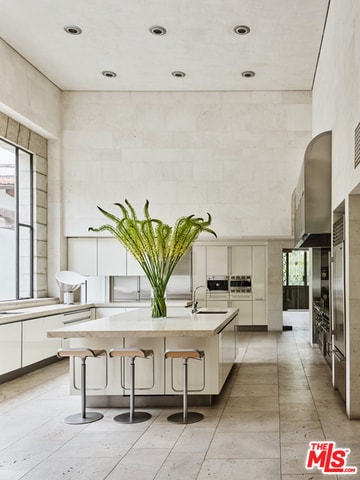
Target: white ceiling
(282, 47)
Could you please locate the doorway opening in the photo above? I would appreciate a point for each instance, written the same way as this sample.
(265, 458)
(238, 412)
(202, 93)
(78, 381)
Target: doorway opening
(295, 279)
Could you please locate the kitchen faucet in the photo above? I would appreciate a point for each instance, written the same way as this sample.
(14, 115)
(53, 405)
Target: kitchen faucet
(195, 302)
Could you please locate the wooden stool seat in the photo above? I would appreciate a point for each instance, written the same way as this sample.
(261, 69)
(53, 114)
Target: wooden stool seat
(132, 416)
(130, 352)
(185, 417)
(83, 354)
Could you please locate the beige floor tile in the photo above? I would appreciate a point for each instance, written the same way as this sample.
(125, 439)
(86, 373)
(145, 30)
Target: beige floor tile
(240, 469)
(293, 458)
(249, 422)
(160, 436)
(196, 440)
(309, 476)
(295, 396)
(301, 432)
(179, 466)
(248, 390)
(140, 464)
(294, 412)
(252, 404)
(264, 379)
(72, 469)
(244, 445)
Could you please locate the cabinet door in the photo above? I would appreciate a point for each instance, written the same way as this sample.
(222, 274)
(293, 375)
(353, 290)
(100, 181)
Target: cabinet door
(216, 303)
(111, 257)
(259, 312)
(36, 345)
(217, 260)
(149, 372)
(82, 255)
(10, 347)
(241, 260)
(259, 272)
(199, 270)
(245, 311)
(133, 266)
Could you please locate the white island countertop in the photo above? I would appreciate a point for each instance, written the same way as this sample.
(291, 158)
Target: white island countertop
(180, 322)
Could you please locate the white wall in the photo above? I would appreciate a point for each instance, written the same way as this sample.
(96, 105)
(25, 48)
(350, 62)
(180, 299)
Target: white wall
(336, 92)
(236, 155)
(27, 96)
(32, 100)
(336, 107)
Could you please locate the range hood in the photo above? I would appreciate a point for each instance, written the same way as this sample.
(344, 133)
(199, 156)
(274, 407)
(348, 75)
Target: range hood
(312, 196)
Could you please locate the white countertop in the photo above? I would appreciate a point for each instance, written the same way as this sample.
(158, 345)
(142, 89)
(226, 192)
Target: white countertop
(180, 322)
(10, 315)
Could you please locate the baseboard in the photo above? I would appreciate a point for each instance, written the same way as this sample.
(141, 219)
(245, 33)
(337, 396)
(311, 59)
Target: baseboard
(251, 328)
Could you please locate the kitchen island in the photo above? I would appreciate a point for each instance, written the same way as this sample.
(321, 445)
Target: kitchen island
(157, 381)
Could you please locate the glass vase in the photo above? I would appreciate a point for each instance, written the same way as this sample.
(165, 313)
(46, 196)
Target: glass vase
(158, 304)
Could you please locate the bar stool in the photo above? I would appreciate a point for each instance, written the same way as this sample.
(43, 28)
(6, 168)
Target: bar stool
(132, 416)
(83, 353)
(185, 417)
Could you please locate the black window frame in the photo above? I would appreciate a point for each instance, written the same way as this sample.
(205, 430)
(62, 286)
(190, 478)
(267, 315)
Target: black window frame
(21, 225)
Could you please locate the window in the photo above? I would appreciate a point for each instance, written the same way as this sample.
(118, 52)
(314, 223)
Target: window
(16, 222)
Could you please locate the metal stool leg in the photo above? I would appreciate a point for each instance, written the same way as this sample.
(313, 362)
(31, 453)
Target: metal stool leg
(132, 416)
(185, 417)
(83, 417)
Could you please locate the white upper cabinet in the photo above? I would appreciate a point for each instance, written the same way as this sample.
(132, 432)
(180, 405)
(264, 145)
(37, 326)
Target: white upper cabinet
(241, 260)
(111, 257)
(82, 255)
(259, 263)
(217, 260)
(133, 266)
(91, 256)
(199, 268)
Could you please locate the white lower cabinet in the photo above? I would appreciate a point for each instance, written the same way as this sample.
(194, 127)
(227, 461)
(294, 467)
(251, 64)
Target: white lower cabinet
(10, 347)
(36, 345)
(259, 312)
(208, 375)
(149, 372)
(210, 303)
(245, 316)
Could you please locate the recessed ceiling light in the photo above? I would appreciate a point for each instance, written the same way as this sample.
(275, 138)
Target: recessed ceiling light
(248, 74)
(178, 74)
(109, 74)
(157, 30)
(241, 29)
(73, 30)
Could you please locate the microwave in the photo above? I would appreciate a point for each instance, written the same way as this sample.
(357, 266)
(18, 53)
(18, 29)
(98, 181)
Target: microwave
(218, 284)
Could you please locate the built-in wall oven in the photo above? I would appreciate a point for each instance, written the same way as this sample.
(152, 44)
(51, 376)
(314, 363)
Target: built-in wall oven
(218, 284)
(240, 286)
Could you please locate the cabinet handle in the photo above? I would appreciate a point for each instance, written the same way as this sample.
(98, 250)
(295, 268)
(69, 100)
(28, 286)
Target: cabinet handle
(67, 322)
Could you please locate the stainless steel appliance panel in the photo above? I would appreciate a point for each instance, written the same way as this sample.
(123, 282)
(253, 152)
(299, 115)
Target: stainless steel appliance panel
(338, 318)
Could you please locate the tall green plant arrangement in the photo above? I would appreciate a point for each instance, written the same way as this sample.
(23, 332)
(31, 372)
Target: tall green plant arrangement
(154, 244)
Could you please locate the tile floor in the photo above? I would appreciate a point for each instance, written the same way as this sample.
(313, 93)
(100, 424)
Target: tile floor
(278, 398)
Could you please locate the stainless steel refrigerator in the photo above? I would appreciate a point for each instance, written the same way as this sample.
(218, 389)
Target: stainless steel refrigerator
(338, 313)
